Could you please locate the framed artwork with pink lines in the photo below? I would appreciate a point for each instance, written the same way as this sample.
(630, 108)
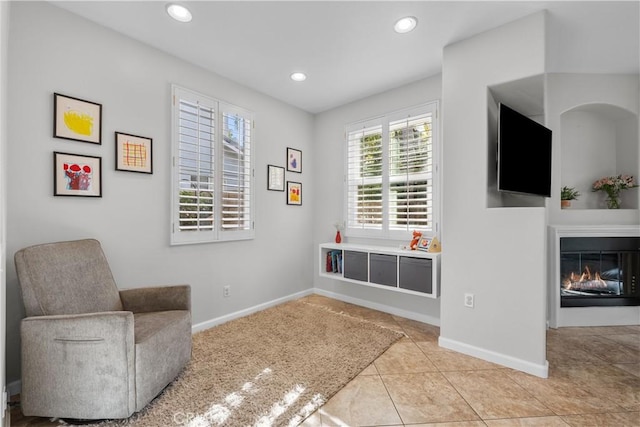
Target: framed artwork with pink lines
(134, 153)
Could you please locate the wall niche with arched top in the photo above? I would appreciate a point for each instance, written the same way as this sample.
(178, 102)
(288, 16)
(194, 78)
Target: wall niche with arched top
(599, 140)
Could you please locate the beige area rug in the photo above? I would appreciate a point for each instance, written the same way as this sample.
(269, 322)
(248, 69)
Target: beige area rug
(271, 368)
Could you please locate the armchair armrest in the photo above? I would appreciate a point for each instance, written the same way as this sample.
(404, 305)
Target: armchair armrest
(108, 325)
(64, 356)
(156, 298)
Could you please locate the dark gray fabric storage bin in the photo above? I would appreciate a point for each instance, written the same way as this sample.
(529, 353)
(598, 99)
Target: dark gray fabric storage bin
(415, 274)
(383, 269)
(355, 265)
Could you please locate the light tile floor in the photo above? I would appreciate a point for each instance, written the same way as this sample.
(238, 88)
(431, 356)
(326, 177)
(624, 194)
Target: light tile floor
(594, 380)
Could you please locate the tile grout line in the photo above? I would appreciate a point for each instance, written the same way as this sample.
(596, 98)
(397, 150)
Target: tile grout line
(385, 385)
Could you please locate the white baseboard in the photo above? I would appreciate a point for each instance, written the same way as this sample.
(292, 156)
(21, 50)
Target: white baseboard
(247, 311)
(380, 307)
(541, 371)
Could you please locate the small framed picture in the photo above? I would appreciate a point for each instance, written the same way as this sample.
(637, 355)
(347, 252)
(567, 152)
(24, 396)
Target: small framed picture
(133, 153)
(424, 244)
(294, 193)
(294, 160)
(77, 175)
(77, 119)
(275, 178)
(429, 244)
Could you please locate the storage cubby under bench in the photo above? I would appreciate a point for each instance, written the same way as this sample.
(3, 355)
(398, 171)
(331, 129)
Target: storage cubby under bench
(413, 272)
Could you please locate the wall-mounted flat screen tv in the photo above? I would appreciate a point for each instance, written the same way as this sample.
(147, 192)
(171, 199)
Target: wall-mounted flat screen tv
(524, 154)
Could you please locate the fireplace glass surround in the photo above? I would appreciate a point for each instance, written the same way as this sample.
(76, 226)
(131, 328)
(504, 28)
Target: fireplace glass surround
(599, 271)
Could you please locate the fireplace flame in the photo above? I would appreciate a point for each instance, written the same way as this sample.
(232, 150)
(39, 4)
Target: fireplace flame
(584, 280)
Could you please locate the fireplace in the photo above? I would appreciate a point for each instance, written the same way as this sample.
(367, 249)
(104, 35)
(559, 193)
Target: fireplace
(599, 271)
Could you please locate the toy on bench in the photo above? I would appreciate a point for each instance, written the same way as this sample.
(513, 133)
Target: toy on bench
(414, 242)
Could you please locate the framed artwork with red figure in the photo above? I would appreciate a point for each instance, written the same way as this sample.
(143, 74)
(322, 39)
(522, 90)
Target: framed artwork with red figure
(294, 193)
(77, 175)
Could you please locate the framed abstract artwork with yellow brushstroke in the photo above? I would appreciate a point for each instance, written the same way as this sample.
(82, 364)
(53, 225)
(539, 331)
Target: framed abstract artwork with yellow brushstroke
(77, 119)
(133, 153)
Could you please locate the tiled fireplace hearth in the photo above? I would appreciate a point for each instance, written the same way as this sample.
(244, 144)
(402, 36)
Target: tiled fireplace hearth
(594, 276)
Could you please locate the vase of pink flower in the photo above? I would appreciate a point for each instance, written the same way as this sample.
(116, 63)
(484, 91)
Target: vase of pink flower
(613, 185)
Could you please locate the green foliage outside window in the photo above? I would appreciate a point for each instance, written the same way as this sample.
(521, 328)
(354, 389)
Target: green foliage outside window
(409, 147)
(371, 155)
(196, 209)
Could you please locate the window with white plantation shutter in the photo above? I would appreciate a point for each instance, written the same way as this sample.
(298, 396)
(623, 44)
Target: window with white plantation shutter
(237, 171)
(410, 162)
(212, 191)
(364, 182)
(390, 179)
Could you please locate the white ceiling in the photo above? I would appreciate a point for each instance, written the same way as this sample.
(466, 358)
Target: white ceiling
(349, 49)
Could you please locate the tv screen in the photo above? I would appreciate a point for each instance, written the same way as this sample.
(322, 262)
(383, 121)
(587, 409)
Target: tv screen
(524, 154)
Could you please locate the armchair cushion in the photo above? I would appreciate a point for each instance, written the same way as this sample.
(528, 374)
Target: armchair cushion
(163, 348)
(66, 278)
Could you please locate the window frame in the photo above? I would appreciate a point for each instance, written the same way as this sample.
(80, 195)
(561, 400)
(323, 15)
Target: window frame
(385, 232)
(217, 233)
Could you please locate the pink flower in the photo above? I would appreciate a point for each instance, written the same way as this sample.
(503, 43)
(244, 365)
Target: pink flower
(612, 185)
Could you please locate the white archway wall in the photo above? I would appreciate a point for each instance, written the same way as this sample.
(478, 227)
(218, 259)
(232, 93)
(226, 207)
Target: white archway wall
(569, 95)
(598, 140)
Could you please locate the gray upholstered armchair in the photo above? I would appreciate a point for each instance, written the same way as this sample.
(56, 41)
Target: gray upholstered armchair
(89, 350)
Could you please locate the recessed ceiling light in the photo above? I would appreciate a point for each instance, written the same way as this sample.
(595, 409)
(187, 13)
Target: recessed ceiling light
(406, 24)
(298, 77)
(179, 13)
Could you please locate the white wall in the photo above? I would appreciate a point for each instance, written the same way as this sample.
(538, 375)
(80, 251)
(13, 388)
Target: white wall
(4, 33)
(51, 50)
(497, 254)
(329, 162)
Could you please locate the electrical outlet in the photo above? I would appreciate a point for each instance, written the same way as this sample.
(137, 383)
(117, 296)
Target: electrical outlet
(468, 300)
(226, 291)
